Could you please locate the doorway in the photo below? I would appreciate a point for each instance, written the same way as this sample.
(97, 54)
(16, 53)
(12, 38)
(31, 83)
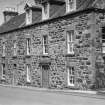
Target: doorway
(45, 76)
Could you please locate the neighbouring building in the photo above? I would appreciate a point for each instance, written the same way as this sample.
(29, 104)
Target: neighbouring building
(54, 44)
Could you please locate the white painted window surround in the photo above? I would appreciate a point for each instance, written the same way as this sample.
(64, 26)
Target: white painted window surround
(70, 5)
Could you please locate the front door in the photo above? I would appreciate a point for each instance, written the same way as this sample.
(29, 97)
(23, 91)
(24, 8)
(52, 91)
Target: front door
(45, 76)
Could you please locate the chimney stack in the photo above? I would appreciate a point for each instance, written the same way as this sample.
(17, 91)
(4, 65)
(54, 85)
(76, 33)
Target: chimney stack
(9, 13)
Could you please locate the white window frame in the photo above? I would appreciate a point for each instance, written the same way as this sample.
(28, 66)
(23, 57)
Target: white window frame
(3, 51)
(71, 76)
(45, 15)
(68, 6)
(28, 50)
(3, 68)
(28, 68)
(45, 45)
(15, 49)
(70, 42)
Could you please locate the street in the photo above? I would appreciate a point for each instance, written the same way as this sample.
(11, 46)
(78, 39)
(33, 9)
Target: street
(17, 96)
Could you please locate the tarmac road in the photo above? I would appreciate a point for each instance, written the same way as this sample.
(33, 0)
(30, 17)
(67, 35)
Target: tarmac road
(18, 96)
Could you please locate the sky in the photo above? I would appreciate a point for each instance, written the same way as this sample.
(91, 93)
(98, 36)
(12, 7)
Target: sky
(13, 4)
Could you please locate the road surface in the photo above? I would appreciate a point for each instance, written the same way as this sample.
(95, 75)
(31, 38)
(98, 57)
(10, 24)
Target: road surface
(17, 96)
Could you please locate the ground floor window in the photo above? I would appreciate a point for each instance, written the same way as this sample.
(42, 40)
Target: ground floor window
(3, 71)
(71, 76)
(28, 67)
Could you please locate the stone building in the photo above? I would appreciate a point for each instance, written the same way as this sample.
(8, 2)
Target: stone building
(54, 44)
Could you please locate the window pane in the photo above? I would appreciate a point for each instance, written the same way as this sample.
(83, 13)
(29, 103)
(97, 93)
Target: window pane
(3, 50)
(103, 30)
(46, 49)
(71, 76)
(45, 39)
(71, 47)
(45, 8)
(28, 73)
(28, 46)
(70, 38)
(103, 36)
(3, 69)
(103, 49)
(45, 44)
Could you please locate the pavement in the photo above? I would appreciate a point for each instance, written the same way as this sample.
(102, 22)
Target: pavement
(13, 95)
(68, 91)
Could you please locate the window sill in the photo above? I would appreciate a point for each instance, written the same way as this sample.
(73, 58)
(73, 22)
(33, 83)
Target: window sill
(28, 55)
(14, 56)
(71, 85)
(3, 56)
(2, 79)
(70, 55)
(45, 55)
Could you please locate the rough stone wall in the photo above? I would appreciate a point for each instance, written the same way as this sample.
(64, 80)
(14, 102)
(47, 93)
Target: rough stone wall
(100, 61)
(82, 60)
(83, 49)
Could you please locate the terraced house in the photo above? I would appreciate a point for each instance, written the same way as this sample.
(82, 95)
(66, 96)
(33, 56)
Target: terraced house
(54, 44)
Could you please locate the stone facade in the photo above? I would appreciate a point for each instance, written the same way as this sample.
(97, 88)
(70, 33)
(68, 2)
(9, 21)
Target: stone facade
(89, 73)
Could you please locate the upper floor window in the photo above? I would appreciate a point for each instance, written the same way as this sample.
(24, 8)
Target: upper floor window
(103, 40)
(3, 50)
(45, 11)
(70, 5)
(3, 71)
(70, 42)
(28, 16)
(71, 76)
(15, 49)
(28, 49)
(45, 44)
(28, 67)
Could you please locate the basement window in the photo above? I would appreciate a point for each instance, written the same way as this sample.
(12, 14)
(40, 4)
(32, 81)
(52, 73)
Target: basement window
(71, 76)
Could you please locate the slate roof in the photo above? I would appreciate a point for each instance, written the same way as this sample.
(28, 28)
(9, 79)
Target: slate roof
(19, 21)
